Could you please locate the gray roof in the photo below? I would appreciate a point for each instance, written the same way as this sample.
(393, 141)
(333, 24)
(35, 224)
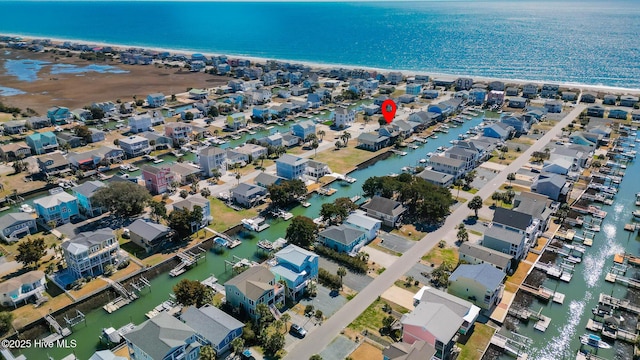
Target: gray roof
(12, 218)
(531, 203)
(512, 218)
(371, 137)
(485, 254)
(435, 176)
(385, 206)
(360, 219)
(211, 151)
(157, 336)
(83, 241)
(295, 254)
(437, 319)
(190, 202)
(267, 179)
(419, 350)
(105, 355)
(446, 161)
(291, 160)
(55, 199)
(148, 230)
(88, 188)
(342, 234)
(247, 190)
(484, 274)
(557, 180)
(210, 322)
(504, 235)
(253, 282)
(459, 306)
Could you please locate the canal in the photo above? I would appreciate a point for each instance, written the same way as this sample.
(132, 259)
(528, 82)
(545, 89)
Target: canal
(87, 334)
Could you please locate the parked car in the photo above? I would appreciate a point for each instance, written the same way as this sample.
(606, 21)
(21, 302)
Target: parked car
(298, 331)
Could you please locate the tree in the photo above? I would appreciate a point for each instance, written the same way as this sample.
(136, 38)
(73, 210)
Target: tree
(345, 137)
(469, 177)
(31, 251)
(273, 342)
(264, 316)
(462, 234)
(123, 198)
(96, 113)
(338, 144)
(286, 192)
(318, 314)
(302, 231)
(158, 210)
(497, 196)
(205, 192)
(342, 273)
(184, 194)
(213, 112)
(458, 183)
(285, 318)
(19, 166)
(6, 318)
(237, 345)
(475, 204)
(314, 146)
(337, 211)
(216, 174)
(315, 357)
(387, 322)
(321, 134)
(511, 177)
(192, 292)
(83, 131)
(185, 222)
(208, 353)
(188, 116)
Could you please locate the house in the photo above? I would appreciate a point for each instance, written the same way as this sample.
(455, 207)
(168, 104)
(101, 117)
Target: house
(530, 90)
(59, 207)
(424, 117)
(596, 110)
(414, 89)
(317, 169)
(505, 241)
(265, 180)
(183, 174)
(558, 166)
(518, 122)
(589, 98)
(198, 94)
(96, 135)
(343, 238)
(37, 122)
(140, 123)
(298, 90)
(387, 210)
(394, 77)
(618, 114)
(84, 192)
(179, 132)
(296, 267)
(164, 337)
(517, 102)
(214, 325)
(628, 100)
(343, 117)
(14, 126)
(41, 143)
(553, 106)
(538, 206)
(156, 179)
(371, 109)
(569, 96)
(90, 160)
(253, 151)
(405, 351)
(610, 99)
(463, 308)
(512, 91)
(478, 254)
(256, 285)
(314, 100)
(468, 154)
(149, 235)
(555, 186)
(517, 221)
(134, 146)
(156, 100)
(291, 167)
(211, 158)
(22, 287)
(496, 85)
(108, 107)
(406, 98)
(372, 141)
(580, 138)
(635, 115)
(446, 83)
(15, 151)
(463, 83)
(58, 115)
(304, 129)
(69, 139)
(248, 195)
(14, 226)
(499, 130)
(447, 165)
(236, 121)
(436, 177)
(481, 284)
(52, 164)
(430, 94)
(105, 355)
(549, 90)
(359, 220)
(89, 252)
(190, 203)
(157, 141)
(289, 140)
(477, 96)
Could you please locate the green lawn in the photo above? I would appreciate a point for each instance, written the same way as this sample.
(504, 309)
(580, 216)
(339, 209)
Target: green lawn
(439, 255)
(371, 318)
(11, 250)
(225, 217)
(477, 342)
(403, 285)
(345, 159)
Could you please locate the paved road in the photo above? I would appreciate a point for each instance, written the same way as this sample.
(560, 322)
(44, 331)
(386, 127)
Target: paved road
(332, 327)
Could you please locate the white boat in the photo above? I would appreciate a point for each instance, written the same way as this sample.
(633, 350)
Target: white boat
(594, 340)
(26, 208)
(638, 199)
(251, 132)
(636, 214)
(306, 204)
(255, 224)
(592, 227)
(423, 161)
(158, 161)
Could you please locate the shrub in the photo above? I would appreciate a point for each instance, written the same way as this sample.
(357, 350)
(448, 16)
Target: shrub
(328, 279)
(353, 263)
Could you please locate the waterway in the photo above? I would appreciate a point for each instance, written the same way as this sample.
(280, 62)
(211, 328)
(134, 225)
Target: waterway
(562, 339)
(87, 334)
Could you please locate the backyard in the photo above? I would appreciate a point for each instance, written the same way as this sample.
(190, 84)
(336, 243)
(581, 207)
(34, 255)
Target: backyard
(225, 217)
(346, 159)
(371, 318)
(473, 346)
(438, 256)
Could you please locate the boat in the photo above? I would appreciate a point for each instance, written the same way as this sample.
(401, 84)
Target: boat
(594, 340)
(125, 167)
(638, 199)
(26, 208)
(306, 204)
(133, 168)
(423, 161)
(221, 241)
(251, 132)
(157, 161)
(255, 224)
(265, 245)
(236, 137)
(636, 214)
(592, 227)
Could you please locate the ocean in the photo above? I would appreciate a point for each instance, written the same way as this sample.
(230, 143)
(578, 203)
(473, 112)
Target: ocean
(587, 42)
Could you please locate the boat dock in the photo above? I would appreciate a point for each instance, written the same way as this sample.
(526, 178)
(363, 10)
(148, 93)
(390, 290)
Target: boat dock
(563, 272)
(9, 356)
(265, 245)
(325, 191)
(212, 283)
(630, 259)
(237, 263)
(617, 278)
(619, 304)
(58, 331)
(187, 259)
(615, 334)
(126, 296)
(510, 346)
(542, 321)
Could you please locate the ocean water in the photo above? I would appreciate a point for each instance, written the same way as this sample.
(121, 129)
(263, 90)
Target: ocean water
(589, 42)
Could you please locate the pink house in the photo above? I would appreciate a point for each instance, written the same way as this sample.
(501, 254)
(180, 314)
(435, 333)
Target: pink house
(156, 179)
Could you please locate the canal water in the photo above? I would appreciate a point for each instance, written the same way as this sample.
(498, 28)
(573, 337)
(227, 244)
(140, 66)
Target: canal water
(87, 335)
(562, 339)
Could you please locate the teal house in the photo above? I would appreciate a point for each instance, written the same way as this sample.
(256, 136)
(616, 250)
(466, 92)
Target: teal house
(59, 115)
(84, 192)
(296, 266)
(59, 207)
(343, 238)
(41, 143)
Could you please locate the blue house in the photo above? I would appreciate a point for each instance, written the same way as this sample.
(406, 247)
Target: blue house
(13, 226)
(554, 186)
(223, 68)
(430, 94)
(314, 100)
(59, 207)
(618, 114)
(414, 89)
(296, 266)
(517, 122)
(41, 143)
(58, 115)
(500, 131)
(442, 109)
(360, 221)
(84, 192)
(343, 238)
(156, 100)
(304, 129)
(213, 324)
(477, 96)
(291, 167)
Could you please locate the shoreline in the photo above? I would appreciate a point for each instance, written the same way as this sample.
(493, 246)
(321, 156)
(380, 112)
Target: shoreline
(321, 65)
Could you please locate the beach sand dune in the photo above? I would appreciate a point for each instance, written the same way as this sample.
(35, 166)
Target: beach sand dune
(79, 90)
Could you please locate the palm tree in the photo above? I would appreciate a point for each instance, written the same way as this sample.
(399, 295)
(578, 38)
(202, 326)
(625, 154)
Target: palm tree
(342, 273)
(346, 136)
(511, 177)
(321, 133)
(285, 318)
(207, 353)
(338, 144)
(458, 183)
(237, 345)
(314, 146)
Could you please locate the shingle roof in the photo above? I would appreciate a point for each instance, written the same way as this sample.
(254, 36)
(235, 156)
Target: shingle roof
(437, 319)
(105, 355)
(484, 274)
(190, 202)
(291, 160)
(148, 230)
(247, 190)
(210, 322)
(12, 218)
(360, 219)
(253, 282)
(88, 188)
(211, 151)
(419, 350)
(504, 235)
(83, 241)
(512, 218)
(435, 176)
(157, 336)
(342, 234)
(55, 199)
(266, 179)
(446, 161)
(485, 254)
(16, 282)
(295, 255)
(384, 205)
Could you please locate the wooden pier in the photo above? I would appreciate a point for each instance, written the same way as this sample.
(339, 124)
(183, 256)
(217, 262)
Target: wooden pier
(511, 346)
(58, 331)
(617, 278)
(614, 334)
(187, 259)
(542, 321)
(619, 304)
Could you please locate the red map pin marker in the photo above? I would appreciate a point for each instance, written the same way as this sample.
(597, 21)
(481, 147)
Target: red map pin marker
(389, 108)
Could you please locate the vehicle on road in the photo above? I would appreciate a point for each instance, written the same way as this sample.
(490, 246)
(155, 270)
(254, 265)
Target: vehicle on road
(298, 331)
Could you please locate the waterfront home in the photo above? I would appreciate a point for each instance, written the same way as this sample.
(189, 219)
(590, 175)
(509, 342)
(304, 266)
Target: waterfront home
(512, 91)
(134, 146)
(529, 90)
(461, 307)
(256, 285)
(236, 121)
(496, 85)
(52, 164)
(448, 165)
(467, 152)
(291, 167)
(20, 288)
(106, 355)
(87, 253)
(628, 100)
(179, 132)
(553, 106)
(506, 241)
(314, 100)
(442, 109)
(478, 254)
(463, 83)
(164, 337)
(518, 122)
(618, 114)
(343, 117)
(156, 100)
(59, 115)
(156, 179)
(304, 129)
(211, 158)
(587, 97)
(446, 83)
(82, 115)
(477, 96)
(84, 192)
(198, 94)
(481, 284)
(15, 151)
(343, 238)
(436, 177)
(317, 169)
(296, 267)
(549, 90)
(140, 123)
(518, 221)
(372, 141)
(405, 351)
(37, 122)
(610, 99)
(216, 326)
(558, 166)
(517, 102)
(387, 210)
(157, 141)
(265, 180)
(289, 140)
(252, 151)
(14, 226)
(394, 77)
(248, 195)
(261, 112)
(596, 110)
(89, 160)
(424, 117)
(41, 143)
(499, 130)
(577, 155)
(69, 139)
(540, 207)
(149, 236)
(370, 109)
(108, 107)
(580, 138)
(414, 89)
(359, 220)
(569, 96)
(14, 126)
(555, 186)
(635, 115)
(190, 204)
(184, 174)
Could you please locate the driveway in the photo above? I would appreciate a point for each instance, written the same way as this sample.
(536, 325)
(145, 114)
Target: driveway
(380, 257)
(354, 281)
(417, 270)
(339, 349)
(399, 296)
(395, 243)
(324, 302)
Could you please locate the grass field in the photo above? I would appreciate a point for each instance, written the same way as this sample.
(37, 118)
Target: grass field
(438, 256)
(371, 318)
(409, 232)
(366, 351)
(346, 159)
(476, 343)
(225, 217)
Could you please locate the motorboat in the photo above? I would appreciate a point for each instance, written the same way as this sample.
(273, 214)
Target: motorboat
(26, 208)
(636, 214)
(594, 340)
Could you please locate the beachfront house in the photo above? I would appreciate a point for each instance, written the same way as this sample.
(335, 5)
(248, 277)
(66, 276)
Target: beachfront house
(216, 326)
(481, 284)
(343, 117)
(84, 192)
(291, 167)
(387, 210)
(436, 177)
(41, 143)
(628, 100)
(156, 100)
(58, 207)
(343, 238)
(569, 96)
(512, 91)
(59, 115)
(256, 285)
(87, 253)
(588, 98)
(149, 236)
(529, 91)
(15, 151)
(505, 240)
(359, 220)
(296, 267)
(496, 85)
(463, 83)
(14, 226)
(549, 90)
(395, 77)
(304, 129)
(190, 204)
(478, 254)
(211, 158)
(14, 127)
(164, 337)
(179, 132)
(22, 287)
(248, 195)
(517, 103)
(134, 146)
(609, 99)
